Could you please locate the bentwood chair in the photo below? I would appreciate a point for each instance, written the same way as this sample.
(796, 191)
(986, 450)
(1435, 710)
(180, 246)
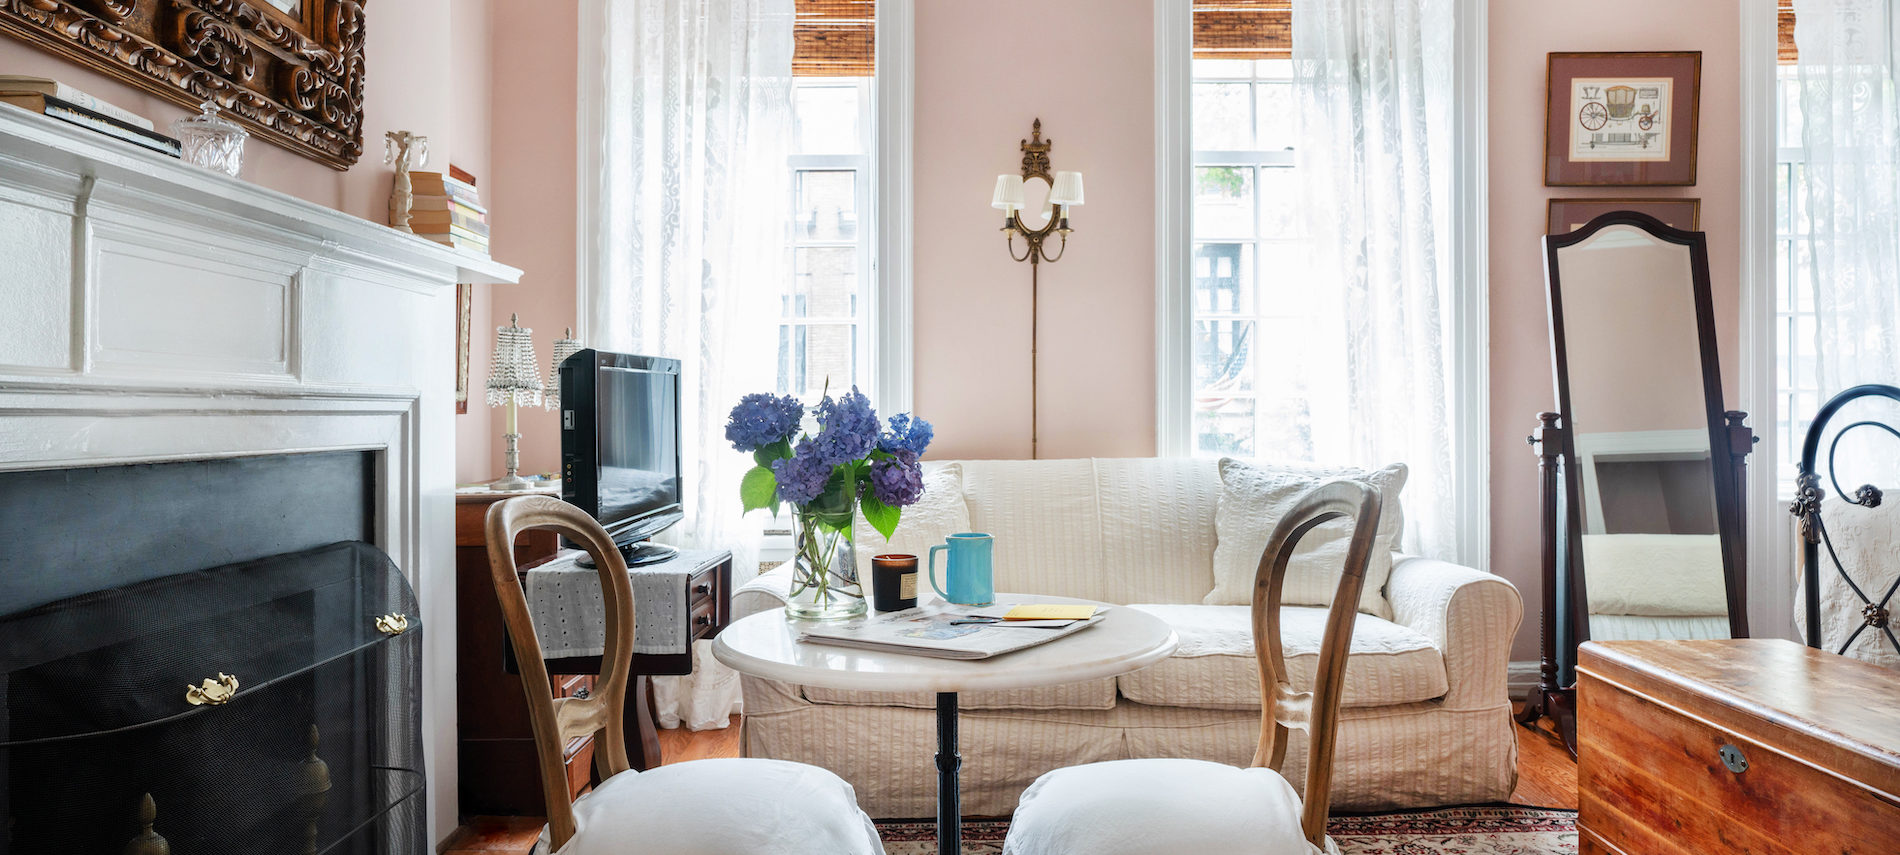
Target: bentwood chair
(702, 807)
(1149, 807)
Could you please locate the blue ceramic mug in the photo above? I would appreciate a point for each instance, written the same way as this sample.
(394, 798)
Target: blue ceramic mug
(966, 575)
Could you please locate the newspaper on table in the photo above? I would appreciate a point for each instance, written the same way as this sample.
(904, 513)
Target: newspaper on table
(945, 632)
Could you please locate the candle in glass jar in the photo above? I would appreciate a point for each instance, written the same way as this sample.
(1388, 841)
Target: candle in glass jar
(894, 582)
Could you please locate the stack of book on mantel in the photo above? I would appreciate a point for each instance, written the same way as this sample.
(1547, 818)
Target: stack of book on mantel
(448, 210)
(60, 101)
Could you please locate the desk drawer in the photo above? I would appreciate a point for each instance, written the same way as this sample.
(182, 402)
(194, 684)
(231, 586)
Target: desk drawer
(1651, 779)
(703, 620)
(575, 686)
(579, 759)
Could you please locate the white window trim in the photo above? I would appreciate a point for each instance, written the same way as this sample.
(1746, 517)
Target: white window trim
(895, 90)
(1771, 566)
(890, 333)
(1470, 302)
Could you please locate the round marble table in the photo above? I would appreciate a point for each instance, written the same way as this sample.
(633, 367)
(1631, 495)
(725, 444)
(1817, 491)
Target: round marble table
(766, 645)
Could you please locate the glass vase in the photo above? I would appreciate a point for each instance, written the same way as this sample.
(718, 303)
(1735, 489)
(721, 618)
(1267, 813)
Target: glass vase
(825, 584)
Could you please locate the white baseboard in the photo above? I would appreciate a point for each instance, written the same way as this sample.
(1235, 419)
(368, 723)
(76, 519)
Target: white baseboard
(1521, 677)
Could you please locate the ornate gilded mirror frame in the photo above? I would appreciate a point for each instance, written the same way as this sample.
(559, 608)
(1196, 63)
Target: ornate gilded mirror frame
(291, 71)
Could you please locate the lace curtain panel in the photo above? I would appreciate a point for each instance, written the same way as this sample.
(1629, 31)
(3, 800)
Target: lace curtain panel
(1850, 134)
(1373, 79)
(690, 220)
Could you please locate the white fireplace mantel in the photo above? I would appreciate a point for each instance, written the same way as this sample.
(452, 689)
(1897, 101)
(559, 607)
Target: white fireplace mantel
(155, 310)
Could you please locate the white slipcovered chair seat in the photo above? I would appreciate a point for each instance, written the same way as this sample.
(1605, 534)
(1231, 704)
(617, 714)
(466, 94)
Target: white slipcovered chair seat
(701, 807)
(717, 807)
(1160, 806)
(1145, 807)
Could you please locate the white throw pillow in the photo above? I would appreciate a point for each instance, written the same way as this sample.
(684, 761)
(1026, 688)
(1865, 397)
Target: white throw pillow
(1253, 498)
(939, 513)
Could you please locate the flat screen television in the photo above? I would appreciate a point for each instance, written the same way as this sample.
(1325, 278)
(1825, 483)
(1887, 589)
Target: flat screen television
(620, 446)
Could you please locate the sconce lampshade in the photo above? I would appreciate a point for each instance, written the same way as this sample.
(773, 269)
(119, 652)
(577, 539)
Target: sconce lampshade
(1067, 190)
(1009, 193)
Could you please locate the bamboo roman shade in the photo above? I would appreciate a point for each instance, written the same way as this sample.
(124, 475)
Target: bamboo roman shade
(1243, 29)
(1784, 29)
(834, 38)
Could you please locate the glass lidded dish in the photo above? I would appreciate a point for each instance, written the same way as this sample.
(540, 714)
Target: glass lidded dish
(211, 141)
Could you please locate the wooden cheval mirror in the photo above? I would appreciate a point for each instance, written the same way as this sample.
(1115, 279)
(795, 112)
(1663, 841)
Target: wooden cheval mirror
(1641, 466)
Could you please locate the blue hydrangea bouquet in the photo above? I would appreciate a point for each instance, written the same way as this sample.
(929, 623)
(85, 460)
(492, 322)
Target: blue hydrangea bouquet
(852, 463)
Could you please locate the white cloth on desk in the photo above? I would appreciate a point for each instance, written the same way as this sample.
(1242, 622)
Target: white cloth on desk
(570, 619)
(706, 699)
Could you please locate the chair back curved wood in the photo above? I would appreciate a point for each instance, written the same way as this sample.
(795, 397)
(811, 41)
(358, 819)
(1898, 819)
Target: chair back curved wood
(1317, 711)
(556, 721)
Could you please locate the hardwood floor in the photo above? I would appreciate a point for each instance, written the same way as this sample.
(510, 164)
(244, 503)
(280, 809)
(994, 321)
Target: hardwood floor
(1546, 777)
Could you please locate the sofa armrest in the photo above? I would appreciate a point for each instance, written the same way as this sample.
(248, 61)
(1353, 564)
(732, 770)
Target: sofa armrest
(766, 591)
(1472, 616)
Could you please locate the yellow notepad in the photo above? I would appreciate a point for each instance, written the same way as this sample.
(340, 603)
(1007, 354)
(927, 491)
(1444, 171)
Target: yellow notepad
(1050, 612)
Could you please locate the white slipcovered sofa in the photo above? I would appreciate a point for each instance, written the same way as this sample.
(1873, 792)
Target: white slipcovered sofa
(1426, 721)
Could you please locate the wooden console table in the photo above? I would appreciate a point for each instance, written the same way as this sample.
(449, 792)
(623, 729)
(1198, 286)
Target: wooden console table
(499, 774)
(1735, 745)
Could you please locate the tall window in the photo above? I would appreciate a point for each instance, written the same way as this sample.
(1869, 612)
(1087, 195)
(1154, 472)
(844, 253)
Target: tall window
(825, 306)
(1797, 393)
(823, 311)
(1261, 383)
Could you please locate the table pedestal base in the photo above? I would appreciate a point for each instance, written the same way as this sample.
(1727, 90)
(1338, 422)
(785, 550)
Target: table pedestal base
(949, 797)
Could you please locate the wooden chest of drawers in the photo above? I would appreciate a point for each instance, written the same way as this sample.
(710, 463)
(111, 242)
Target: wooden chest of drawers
(495, 744)
(1744, 745)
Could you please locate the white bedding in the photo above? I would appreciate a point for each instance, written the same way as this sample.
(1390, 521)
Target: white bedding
(1654, 575)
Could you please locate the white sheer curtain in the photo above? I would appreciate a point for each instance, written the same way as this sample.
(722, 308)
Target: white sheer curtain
(1851, 134)
(1851, 139)
(1373, 79)
(689, 230)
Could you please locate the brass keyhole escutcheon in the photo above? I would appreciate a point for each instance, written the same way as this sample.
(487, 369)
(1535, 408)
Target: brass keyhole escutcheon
(1733, 758)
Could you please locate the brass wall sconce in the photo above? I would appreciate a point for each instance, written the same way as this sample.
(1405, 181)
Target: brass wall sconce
(1060, 192)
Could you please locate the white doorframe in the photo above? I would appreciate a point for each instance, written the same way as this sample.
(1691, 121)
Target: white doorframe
(895, 91)
(1771, 575)
(1174, 297)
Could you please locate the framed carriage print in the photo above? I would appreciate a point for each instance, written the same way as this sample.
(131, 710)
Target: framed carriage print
(290, 71)
(1568, 215)
(1621, 119)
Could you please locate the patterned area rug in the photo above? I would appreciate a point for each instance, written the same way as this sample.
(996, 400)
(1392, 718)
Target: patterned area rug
(1504, 830)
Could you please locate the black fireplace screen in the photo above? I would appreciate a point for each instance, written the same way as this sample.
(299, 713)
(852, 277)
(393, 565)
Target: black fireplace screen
(268, 706)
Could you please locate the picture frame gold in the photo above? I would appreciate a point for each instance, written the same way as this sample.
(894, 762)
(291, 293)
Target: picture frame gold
(1621, 118)
(464, 309)
(290, 71)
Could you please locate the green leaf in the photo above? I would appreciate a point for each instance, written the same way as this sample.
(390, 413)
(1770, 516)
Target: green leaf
(765, 454)
(881, 516)
(758, 489)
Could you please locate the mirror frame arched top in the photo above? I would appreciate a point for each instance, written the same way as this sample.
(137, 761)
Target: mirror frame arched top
(1572, 573)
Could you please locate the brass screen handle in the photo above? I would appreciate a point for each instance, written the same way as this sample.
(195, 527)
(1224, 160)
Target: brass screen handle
(393, 625)
(212, 692)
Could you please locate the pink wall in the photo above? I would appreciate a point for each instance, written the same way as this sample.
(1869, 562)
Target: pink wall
(984, 73)
(531, 196)
(1521, 34)
(471, 30)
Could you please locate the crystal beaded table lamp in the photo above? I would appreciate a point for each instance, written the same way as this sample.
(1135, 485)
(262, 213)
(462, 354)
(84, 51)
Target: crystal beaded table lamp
(563, 348)
(514, 379)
